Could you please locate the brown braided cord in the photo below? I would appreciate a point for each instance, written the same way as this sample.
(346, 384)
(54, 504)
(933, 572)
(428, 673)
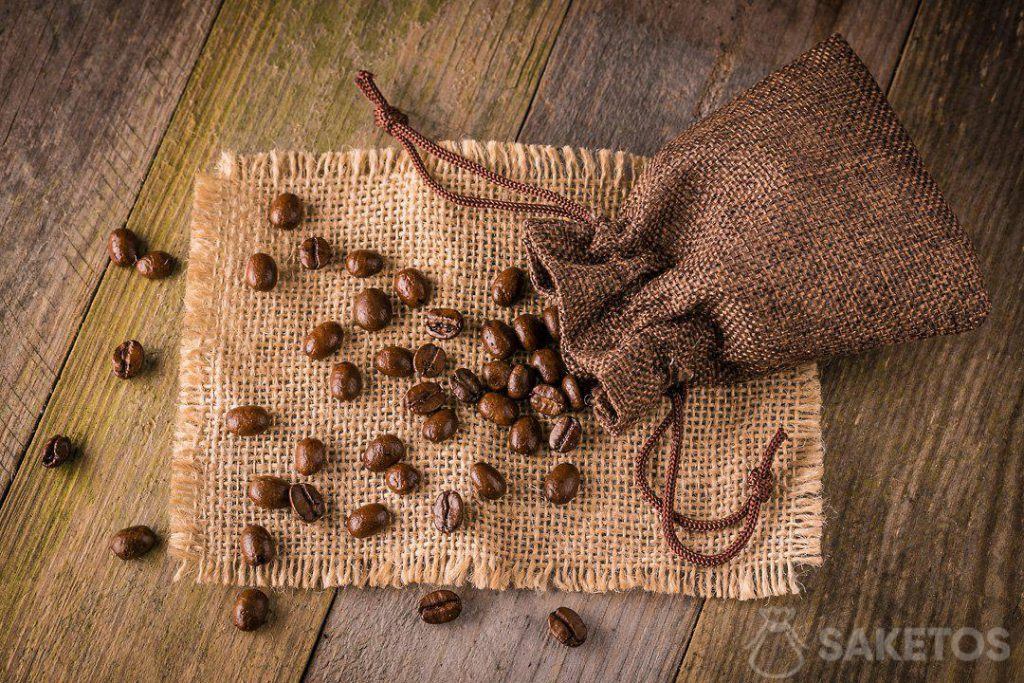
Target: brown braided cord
(396, 124)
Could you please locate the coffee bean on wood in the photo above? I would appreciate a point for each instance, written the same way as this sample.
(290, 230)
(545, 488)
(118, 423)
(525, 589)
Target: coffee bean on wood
(525, 435)
(499, 339)
(247, 420)
(488, 482)
(440, 607)
(133, 542)
(440, 426)
(368, 520)
(402, 478)
(565, 434)
(323, 340)
(530, 331)
(444, 323)
(466, 386)
(394, 361)
(567, 627)
(123, 246)
(129, 359)
(257, 546)
(315, 253)
(310, 456)
(383, 452)
(496, 374)
(372, 309)
(448, 511)
(155, 265)
(508, 287)
(251, 609)
(57, 451)
(521, 381)
(424, 398)
(261, 272)
(363, 262)
(430, 360)
(307, 503)
(498, 408)
(549, 364)
(286, 211)
(562, 483)
(547, 400)
(346, 381)
(268, 492)
(412, 287)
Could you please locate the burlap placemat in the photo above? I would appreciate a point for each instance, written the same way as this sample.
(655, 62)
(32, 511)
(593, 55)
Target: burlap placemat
(243, 347)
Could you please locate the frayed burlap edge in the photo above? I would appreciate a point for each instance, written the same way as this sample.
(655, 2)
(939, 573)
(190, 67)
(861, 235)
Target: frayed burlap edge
(735, 581)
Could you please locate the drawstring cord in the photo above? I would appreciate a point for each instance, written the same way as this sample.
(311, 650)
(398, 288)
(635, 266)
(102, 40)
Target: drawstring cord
(396, 124)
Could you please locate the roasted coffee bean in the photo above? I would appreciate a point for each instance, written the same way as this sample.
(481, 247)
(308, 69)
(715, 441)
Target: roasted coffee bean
(383, 452)
(155, 265)
(444, 323)
(547, 400)
(368, 520)
(412, 287)
(530, 331)
(393, 361)
(323, 340)
(525, 436)
(286, 211)
(565, 434)
(573, 393)
(247, 420)
(567, 627)
(552, 321)
(508, 287)
(346, 381)
(307, 503)
(251, 609)
(261, 272)
(562, 483)
(133, 542)
(498, 408)
(123, 247)
(499, 339)
(402, 479)
(424, 398)
(315, 253)
(310, 457)
(521, 381)
(466, 386)
(363, 262)
(430, 360)
(57, 451)
(257, 545)
(496, 374)
(129, 358)
(372, 309)
(549, 364)
(488, 482)
(440, 607)
(440, 426)
(448, 512)
(268, 492)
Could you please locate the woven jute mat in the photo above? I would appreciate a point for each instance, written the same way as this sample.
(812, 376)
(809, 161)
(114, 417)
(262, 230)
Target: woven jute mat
(243, 347)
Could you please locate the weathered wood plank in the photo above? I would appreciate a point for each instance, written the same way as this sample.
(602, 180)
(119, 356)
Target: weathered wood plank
(86, 92)
(626, 76)
(924, 443)
(272, 74)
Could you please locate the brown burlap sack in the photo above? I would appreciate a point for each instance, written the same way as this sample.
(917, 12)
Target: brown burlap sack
(243, 347)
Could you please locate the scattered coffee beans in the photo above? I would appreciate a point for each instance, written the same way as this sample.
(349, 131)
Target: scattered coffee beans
(521, 381)
(372, 309)
(412, 287)
(547, 400)
(257, 546)
(261, 272)
(315, 253)
(424, 398)
(383, 452)
(565, 434)
(444, 323)
(393, 361)
(573, 393)
(508, 287)
(499, 339)
(123, 247)
(133, 542)
(562, 483)
(129, 358)
(430, 360)
(346, 382)
(310, 457)
(251, 609)
(268, 492)
(155, 265)
(552, 322)
(530, 331)
(466, 386)
(307, 503)
(488, 482)
(402, 479)
(440, 426)
(247, 420)
(440, 607)
(525, 435)
(57, 451)
(323, 340)
(498, 408)
(368, 520)
(567, 627)
(548, 364)
(286, 211)
(496, 374)
(363, 262)
(448, 512)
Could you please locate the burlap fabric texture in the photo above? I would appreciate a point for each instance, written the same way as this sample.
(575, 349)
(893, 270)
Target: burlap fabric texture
(243, 347)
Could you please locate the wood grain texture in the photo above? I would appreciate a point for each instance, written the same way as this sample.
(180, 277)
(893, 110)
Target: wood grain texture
(924, 442)
(628, 76)
(87, 89)
(272, 74)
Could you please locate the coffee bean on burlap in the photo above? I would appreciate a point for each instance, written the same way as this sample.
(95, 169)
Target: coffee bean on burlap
(268, 492)
(257, 545)
(549, 364)
(402, 478)
(521, 381)
(323, 340)
(496, 374)
(394, 361)
(251, 609)
(440, 607)
(133, 542)
(315, 253)
(530, 331)
(57, 451)
(440, 426)
(310, 456)
(562, 483)
(508, 287)
(500, 340)
(261, 272)
(346, 382)
(430, 360)
(498, 408)
(307, 503)
(368, 520)
(286, 211)
(372, 309)
(444, 323)
(448, 511)
(123, 247)
(488, 482)
(573, 393)
(412, 287)
(466, 386)
(552, 322)
(155, 265)
(424, 398)
(247, 420)
(363, 262)
(548, 400)
(525, 435)
(565, 434)
(567, 627)
(129, 358)
(383, 452)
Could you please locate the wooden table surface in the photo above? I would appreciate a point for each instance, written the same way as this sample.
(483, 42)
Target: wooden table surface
(108, 109)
